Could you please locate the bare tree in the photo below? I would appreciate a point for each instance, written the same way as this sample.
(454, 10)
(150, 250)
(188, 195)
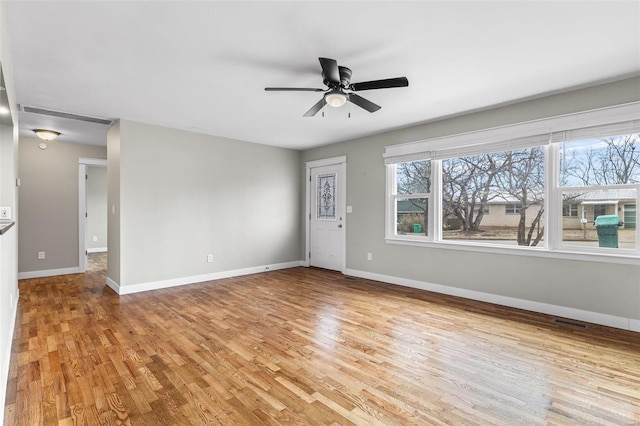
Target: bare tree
(523, 181)
(614, 161)
(467, 184)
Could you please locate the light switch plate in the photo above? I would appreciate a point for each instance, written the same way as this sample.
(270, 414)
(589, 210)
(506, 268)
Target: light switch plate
(5, 213)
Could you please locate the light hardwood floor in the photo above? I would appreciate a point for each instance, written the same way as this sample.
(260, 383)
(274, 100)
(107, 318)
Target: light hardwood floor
(306, 346)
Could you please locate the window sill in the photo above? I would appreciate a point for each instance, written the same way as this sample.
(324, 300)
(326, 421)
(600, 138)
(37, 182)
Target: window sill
(624, 259)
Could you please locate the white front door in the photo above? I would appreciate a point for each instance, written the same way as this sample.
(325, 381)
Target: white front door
(326, 222)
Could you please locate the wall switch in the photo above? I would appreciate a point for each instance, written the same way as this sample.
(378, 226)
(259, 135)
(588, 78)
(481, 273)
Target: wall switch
(349, 209)
(5, 213)
(369, 257)
(40, 255)
(209, 258)
(95, 238)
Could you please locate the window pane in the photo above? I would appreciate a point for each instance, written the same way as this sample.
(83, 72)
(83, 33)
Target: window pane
(411, 216)
(613, 160)
(509, 184)
(618, 204)
(413, 177)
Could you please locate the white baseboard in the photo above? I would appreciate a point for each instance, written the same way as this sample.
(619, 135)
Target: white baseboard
(156, 285)
(544, 308)
(97, 250)
(48, 273)
(4, 373)
(114, 285)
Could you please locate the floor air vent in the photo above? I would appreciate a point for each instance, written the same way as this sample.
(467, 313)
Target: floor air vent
(84, 118)
(570, 323)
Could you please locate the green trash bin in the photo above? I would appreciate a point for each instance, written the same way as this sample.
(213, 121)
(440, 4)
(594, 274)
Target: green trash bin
(417, 228)
(607, 228)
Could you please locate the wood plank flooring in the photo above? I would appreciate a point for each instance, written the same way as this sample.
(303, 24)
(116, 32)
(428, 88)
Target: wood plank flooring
(307, 347)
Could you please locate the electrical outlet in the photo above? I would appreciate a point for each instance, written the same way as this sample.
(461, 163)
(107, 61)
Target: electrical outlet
(40, 255)
(369, 257)
(95, 238)
(5, 213)
(209, 258)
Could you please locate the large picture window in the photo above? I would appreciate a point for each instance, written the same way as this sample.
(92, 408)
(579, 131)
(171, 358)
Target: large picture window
(511, 183)
(573, 190)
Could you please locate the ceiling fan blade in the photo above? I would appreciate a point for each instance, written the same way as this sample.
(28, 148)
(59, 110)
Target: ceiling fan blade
(363, 103)
(380, 84)
(317, 107)
(292, 89)
(330, 70)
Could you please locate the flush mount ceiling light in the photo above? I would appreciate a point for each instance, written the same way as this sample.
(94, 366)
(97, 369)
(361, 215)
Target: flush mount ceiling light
(47, 135)
(335, 98)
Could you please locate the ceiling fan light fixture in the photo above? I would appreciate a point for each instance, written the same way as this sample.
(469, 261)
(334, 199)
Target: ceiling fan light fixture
(47, 135)
(335, 98)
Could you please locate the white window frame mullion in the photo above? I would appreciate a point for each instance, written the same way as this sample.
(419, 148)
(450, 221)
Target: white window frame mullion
(553, 205)
(435, 201)
(390, 230)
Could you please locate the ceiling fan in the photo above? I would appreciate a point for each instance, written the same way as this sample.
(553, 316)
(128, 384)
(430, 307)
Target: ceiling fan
(339, 88)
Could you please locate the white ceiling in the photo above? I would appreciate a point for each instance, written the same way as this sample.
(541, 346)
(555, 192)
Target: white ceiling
(203, 66)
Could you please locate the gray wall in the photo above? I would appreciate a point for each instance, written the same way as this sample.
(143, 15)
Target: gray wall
(49, 203)
(113, 202)
(96, 207)
(611, 289)
(185, 195)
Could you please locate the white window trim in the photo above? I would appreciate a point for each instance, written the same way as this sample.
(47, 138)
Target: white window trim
(499, 138)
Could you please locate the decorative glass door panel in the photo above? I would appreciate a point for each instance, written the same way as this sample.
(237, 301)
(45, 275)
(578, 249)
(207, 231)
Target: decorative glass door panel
(326, 196)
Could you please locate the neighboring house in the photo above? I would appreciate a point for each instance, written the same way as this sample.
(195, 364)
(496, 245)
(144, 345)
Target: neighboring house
(410, 213)
(501, 210)
(504, 210)
(410, 208)
(590, 204)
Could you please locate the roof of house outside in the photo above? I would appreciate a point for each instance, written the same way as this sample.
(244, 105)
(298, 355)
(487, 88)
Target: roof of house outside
(588, 196)
(603, 195)
(410, 206)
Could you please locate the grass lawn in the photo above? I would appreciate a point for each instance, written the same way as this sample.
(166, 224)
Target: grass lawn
(497, 233)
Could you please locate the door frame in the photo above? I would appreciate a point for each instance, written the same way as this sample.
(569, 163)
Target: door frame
(342, 195)
(82, 207)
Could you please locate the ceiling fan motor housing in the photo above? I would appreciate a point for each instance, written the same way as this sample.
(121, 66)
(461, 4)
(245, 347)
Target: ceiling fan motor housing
(345, 79)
